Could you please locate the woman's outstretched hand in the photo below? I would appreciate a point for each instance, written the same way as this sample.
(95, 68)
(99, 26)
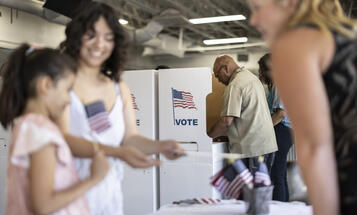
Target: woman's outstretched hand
(136, 158)
(171, 149)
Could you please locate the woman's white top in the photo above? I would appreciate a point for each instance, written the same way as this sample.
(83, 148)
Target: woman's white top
(106, 197)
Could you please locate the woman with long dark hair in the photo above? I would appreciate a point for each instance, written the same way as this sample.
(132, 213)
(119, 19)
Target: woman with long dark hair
(96, 40)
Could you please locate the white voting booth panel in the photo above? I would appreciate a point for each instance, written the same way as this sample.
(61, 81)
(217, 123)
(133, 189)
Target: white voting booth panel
(4, 150)
(4, 146)
(140, 186)
(182, 116)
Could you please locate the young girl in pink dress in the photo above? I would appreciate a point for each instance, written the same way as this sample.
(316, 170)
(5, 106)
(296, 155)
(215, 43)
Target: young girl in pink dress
(41, 175)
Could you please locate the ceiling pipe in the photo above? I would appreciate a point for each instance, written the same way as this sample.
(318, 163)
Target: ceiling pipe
(139, 36)
(35, 8)
(142, 35)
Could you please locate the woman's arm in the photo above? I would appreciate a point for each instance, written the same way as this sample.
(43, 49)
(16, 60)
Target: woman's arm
(169, 148)
(278, 116)
(81, 147)
(297, 69)
(43, 197)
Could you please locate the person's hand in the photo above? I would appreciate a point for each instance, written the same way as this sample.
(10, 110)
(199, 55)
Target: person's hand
(136, 158)
(99, 166)
(171, 149)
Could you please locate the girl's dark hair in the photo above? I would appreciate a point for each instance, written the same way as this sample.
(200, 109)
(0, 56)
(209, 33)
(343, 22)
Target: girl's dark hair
(84, 21)
(24, 66)
(264, 70)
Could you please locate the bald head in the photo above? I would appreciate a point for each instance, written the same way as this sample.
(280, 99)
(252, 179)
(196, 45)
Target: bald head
(221, 61)
(223, 68)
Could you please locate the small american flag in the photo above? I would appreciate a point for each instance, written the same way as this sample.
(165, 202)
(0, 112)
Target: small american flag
(230, 181)
(202, 201)
(183, 99)
(97, 117)
(133, 100)
(262, 177)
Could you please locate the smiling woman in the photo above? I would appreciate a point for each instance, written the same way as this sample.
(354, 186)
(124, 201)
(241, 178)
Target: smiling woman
(102, 38)
(98, 42)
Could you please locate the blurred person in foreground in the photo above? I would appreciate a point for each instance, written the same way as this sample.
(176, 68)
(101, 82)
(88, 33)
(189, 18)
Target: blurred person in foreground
(313, 46)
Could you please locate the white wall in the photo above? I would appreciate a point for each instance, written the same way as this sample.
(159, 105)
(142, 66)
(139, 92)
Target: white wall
(207, 60)
(28, 28)
(135, 60)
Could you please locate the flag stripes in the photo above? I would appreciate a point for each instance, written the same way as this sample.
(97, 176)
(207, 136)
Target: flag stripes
(183, 99)
(231, 180)
(133, 101)
(97, 115)
(99, 122)
(232, 189)
(262, 178)
(203, 201)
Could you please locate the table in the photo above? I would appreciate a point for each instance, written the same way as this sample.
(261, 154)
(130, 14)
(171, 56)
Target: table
(234, 207)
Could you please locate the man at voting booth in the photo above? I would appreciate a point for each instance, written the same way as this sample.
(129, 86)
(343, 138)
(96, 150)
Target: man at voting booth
(245, 114)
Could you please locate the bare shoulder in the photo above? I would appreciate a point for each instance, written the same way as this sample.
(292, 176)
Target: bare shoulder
(300, 39)
(124, 89)
(305, 43)
(123, 85)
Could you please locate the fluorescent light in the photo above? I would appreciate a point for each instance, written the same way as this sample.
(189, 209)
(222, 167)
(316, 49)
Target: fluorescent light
(225, 41)
(123, 21)
(217, 19)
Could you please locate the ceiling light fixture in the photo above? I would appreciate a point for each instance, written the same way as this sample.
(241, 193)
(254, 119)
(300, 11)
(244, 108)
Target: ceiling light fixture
(226, 41)
(217, 19)
(123, 21)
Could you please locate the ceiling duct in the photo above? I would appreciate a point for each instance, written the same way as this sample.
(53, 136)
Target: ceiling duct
(171, 17)
(142, 35)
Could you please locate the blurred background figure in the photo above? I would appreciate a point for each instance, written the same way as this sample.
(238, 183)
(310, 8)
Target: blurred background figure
(282, 130)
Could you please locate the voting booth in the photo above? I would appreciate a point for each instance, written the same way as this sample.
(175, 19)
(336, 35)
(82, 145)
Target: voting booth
(171, 104)
(182, 117)
(4, 150)
(140, 185)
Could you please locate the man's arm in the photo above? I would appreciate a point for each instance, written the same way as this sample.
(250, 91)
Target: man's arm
(221, 126)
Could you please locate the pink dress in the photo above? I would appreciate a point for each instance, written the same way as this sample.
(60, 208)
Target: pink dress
(29, 134)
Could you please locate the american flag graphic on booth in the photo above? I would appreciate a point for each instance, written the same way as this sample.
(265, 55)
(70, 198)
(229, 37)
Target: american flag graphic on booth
(231, 180)
(97, 117)
(182, 99)
(133, 100)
